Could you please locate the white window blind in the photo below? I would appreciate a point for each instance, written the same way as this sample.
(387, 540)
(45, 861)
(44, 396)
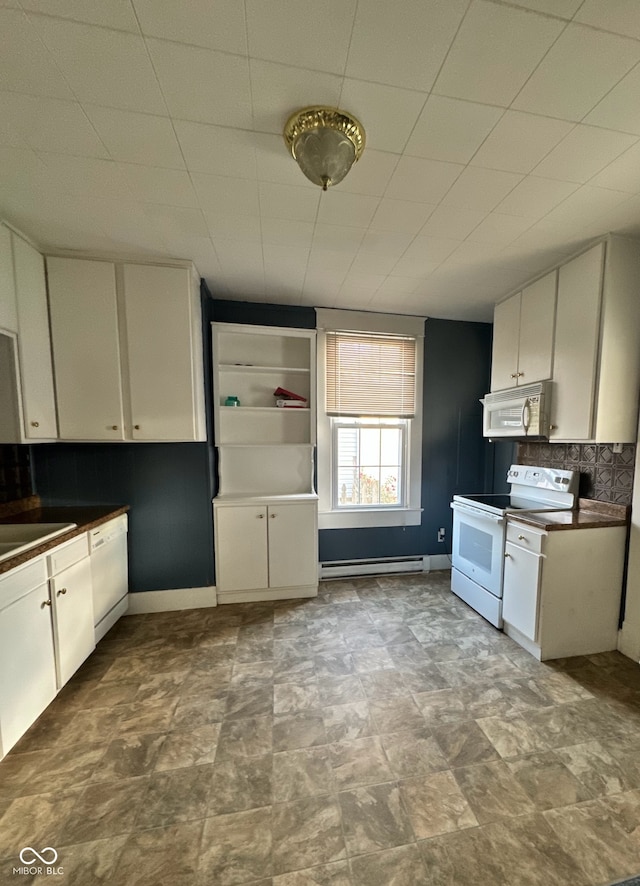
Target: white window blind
(370, 374)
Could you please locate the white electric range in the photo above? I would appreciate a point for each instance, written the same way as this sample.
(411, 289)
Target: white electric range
(479, 531)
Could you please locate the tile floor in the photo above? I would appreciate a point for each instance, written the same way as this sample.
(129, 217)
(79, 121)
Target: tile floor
(382, 734)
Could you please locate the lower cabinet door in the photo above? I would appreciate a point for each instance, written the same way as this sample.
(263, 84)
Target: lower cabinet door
(520, 604)
(241, 550)
(27, 664)
(293, 545)
(72, 596)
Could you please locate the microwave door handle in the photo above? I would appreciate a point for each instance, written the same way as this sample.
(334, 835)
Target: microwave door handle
(525, 412)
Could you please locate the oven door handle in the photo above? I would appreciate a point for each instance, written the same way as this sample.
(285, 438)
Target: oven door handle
(477, 512)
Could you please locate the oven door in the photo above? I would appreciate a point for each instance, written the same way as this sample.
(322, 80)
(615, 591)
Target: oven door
(478, 545)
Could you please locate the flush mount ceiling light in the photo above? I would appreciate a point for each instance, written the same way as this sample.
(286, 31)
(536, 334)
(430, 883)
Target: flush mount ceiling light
(325, 143)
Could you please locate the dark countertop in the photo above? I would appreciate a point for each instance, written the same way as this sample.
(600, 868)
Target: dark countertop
(589, 515)
(86, 516)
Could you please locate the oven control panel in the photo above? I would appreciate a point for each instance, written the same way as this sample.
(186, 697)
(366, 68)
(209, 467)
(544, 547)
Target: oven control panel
(543, 478)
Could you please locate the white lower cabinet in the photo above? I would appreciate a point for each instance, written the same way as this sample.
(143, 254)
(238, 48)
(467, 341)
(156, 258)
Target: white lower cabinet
(266, 551)
(46, 632)
(562, 589)
(27, 661)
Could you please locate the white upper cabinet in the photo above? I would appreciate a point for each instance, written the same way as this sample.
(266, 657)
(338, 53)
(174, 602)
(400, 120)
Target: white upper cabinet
(523, 335)
(86, 350)
(597, 345)
(164, 352)
(27, 403)
(127, 344)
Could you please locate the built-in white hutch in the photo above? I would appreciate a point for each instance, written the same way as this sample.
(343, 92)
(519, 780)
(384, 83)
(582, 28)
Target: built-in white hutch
(266, 511)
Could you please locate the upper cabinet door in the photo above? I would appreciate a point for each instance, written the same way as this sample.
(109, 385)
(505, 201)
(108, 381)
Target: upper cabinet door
(86, 353)
(537, 315)
(576, 346)
(161, 360)
(34, 343)
(8, 311)
(506, 326)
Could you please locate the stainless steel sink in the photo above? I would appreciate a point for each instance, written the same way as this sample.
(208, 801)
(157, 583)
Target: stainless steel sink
(18, 537)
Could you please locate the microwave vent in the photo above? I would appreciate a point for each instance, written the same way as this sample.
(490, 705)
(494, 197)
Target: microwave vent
(521, 392)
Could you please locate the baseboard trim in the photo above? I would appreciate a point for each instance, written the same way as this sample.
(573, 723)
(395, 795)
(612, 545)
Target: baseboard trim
(111, 618)
(262, 595)
(170, 601)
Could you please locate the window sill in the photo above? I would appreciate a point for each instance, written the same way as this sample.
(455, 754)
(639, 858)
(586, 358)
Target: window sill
(370, 518)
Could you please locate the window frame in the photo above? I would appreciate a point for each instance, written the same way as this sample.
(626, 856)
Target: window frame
(410, 514)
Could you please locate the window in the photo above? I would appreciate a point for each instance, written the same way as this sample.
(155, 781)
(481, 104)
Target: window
(369, 419)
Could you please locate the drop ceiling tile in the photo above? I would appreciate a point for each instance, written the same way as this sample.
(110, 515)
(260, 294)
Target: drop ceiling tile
(619, 16)
(203, 85)
(105, 67)
(279, 90)
(389, 242)
(25, 66)
(341, 208)
(583, 153)
(222, 195)
(149, 184)
(280, 201)
(481, 189)
(535, 196)
(452, 223)
(583, 207)
(582, 66)
(108, 13)
(336, 237)
(424, 181)
(371, 174)
(234, 227)
(238, 257)
(338, 261)
(50, 124)
(424, 255)
(217, 149)
(284, 260)
(623, 174)
(520, 141)
(321, 286)
(540, 237)
(499, 228)
(389, 47)
(387, 113)
(374, 262)
(178, 222)
(86, 175)
(401, 215)
(136, 138)
(494, 52)
(620, 109)
(286, 232)
(362, 282)
(394, 286)
(529, 262)
(563, 8)
(453, 130)
(215, 25)
(316, 35)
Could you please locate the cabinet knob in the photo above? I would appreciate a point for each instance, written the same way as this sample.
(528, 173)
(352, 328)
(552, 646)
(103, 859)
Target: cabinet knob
(114, 427)
(136, 427)
(45, 603)
(273, 515)
(514, 375)
(520, 374)
(35, 424)
(61, 591)
(260, 516)
(522, 538)
(507, 556)
(553, 427)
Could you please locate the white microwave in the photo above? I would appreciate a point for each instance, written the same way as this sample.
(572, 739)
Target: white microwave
(521, 413)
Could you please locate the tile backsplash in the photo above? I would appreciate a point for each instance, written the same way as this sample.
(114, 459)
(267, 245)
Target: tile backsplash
(15, 473)
(605, 475)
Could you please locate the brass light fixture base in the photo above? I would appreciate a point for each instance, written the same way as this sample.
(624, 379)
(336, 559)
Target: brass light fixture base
(325, 142)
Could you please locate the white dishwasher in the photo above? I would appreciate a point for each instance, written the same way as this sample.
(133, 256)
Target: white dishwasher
(109, 573)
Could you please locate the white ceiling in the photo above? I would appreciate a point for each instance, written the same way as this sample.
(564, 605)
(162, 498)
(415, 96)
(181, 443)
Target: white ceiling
(501, 136)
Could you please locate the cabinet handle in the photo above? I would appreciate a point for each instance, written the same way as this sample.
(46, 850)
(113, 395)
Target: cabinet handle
(553, 427)
(45, 603)
(273, 515)
(61, 591)
(35, 424)
(260, 516)
(114, 427)
(522, 538)
(507, 555)
(520, 374)
(136, 427)
(514, 375)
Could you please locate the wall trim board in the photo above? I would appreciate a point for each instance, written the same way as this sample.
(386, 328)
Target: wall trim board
(170, 601)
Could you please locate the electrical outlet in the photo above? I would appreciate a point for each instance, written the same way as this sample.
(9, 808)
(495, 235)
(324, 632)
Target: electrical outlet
(441, 534)
(617, 447)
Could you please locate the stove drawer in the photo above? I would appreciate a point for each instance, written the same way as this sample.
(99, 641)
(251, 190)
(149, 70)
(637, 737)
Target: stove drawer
(526, 537)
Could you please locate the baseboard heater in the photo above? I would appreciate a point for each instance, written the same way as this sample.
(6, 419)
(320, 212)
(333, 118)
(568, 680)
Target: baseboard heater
(373, 566)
